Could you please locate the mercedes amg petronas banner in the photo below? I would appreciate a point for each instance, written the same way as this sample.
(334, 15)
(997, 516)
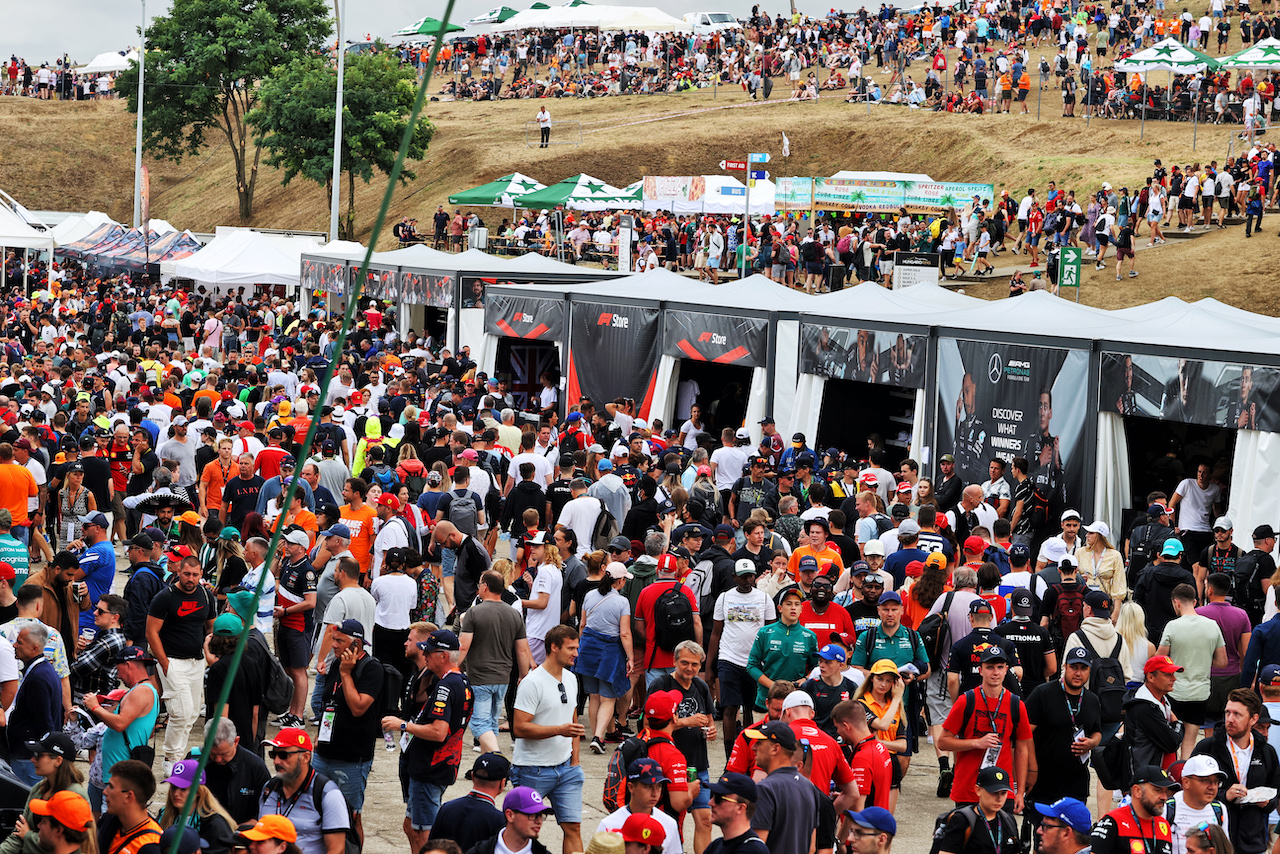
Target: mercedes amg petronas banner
(613, 350)
(1219, 394)
(718, 338)
(512, 316)
(864, 355)
(1007, 401)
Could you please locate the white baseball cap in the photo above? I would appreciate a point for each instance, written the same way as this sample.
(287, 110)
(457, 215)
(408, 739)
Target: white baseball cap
(796, 699)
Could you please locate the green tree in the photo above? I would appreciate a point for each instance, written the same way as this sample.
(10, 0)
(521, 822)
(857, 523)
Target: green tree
(206, 60)
(294, 122)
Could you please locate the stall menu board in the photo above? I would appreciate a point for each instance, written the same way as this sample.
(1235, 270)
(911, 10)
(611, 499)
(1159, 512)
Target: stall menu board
(430, 289)
(863, 355)
(1006, 401)
(719, 338)
(1220, 394)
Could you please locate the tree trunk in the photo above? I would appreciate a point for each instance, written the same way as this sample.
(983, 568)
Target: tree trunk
(347, 224)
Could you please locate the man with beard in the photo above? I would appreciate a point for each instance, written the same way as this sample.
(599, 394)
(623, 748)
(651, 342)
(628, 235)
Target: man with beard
(971, 432)
(832, 359)
(1046, 458)
(1242, 411)
(1127, 402)
(1140, 825)
(294, 792)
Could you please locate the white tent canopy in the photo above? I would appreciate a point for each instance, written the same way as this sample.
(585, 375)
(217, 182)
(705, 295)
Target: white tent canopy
(419, 255)
(108, 63)
(16, 234)
(79, 227)
(592, 16)
(245, 258)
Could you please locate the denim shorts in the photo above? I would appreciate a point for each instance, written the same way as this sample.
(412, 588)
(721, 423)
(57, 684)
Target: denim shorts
(592, 685)
(488, 706)
(351, 778)
(423, 804)
(703, 801)
(653, 674)
(448, 562)
(561, 784)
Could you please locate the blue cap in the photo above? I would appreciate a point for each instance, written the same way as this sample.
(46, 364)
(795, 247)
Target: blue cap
(338, 530)
(889, 596)
(1071, 812)
(875, 818)
(288, 462)
(1019, 553)
(733, 783)
(1270, 675)
(604, 465)
(190, 841)
(647, 771)
(808, 562)
(1078, 655)
(832, 652)
(1172, 547)
(351, 628)
(440, 640)
(572, 417)
(859, 567)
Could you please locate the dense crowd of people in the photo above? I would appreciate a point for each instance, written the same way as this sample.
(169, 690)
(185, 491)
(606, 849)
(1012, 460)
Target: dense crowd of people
(535, 579)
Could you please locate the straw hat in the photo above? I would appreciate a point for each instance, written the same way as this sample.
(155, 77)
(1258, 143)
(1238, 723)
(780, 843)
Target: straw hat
(605, 842)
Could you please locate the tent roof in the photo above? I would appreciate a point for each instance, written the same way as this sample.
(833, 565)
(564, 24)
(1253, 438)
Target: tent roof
(16, 234)
(1038, 313)
(79, 227)
(160, 226)
(656, 285)
(1168, 55)
(756, 292)
(109, 62)
(418, 255)
(532, 262)
(1262, 54)
(338, 250)
(848, 175)
(870, 301)
(1172, 322)
(505, 191)
(1237, 315)
(246, 258)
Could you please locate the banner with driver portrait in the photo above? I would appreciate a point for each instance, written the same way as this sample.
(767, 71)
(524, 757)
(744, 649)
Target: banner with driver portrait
(863, 355)
(1218, 394)
(1007, 401)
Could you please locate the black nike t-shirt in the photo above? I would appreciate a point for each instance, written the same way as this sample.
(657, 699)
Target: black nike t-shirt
(184, 616)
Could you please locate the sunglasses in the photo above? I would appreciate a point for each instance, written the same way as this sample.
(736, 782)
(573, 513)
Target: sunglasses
(720, 799)
(100, 611)
(1047, 825)
(564, 695)
(281, 754)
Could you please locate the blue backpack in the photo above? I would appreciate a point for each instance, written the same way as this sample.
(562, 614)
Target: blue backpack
(998, 556)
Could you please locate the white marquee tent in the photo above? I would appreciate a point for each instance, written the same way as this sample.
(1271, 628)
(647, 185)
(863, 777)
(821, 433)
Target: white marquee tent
(109, 63)
(243, 258)
(77, 228)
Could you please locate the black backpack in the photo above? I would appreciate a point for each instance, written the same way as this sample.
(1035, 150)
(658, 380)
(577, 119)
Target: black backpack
(883, 523)
(1142, 548)
(672, 618)
(1246, 592)
(615, 775)
(392, 689)
(1106, 680)
(971, 816)
(935, 633)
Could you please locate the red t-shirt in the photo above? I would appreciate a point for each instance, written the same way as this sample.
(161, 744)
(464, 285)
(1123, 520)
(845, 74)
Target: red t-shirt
(742, 759)
(674, 766)
(834, 619)
(655, 656)
(268, 461)
(997, 604)
(986, 712)
(828, 759)
(872, 771)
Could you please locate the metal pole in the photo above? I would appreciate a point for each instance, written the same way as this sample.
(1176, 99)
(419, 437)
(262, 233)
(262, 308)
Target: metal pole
(137, 154)
(746, 223)
(1039, 93)
(1195, 122)
(337, 128)
(1142, 133)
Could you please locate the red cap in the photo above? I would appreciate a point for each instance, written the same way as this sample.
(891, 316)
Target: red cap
(904, 487)
(661, 705)
(7, 572)
(941, 521)
(386, 499)
(667, 562)
(974, 545)
(1161, 664)
(177, 553)
(644, 829)
(227, 395)
(868, 478)
(245, 425)
(290, 737)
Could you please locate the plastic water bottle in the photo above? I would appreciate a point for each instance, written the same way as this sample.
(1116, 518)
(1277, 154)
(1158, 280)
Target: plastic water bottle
(390, 740)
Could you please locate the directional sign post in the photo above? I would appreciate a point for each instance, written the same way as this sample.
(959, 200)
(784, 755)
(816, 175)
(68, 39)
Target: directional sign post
(733, 191)
(762, 157)
(733, 165)
(1069, 269)
(758, 174)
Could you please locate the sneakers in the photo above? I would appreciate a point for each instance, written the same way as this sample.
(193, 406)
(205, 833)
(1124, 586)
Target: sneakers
(1099, 266)
(944, 783)
(1133, 274)
(597, 746)
(614, 737)
(287, 720)
(1117, 278)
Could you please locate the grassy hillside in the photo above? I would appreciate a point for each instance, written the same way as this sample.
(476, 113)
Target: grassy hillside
(80, 156)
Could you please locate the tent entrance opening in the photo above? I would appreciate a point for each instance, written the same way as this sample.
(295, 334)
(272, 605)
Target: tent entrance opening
(853, 412)
(1162, 453)
(523, 362)
(721, 392)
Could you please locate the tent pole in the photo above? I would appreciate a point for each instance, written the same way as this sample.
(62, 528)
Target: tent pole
(1195, 121)
(26, 270)
(1142, 133)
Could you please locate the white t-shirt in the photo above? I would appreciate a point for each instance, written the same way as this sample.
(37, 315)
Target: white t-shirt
(612, 823)
(1196, 504)
(8, 661)
(267, 604)
(37, 471)
(691, 434)
(539, 694)
(1186, 817)
(729, 463)
(394, 593)
(743, 614)
(391, 535)
(537, 623)
(580, 514)
(542, 471)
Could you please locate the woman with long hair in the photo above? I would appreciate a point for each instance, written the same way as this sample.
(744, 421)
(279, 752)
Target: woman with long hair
(229, 566)
(254, 527)
(55, 765)
(595, 562)
(412, 513)
(924, 493)
(210, 819)
(605, 657)
(882, 696)
(1208, 838)
(191, 531)
(408, 465)
(545, 580)
(75, 501)
(931, 584)
(1101, 562)
(1132, 626)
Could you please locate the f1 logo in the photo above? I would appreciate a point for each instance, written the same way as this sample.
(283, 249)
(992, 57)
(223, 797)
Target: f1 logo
(605, 319)
(704, 337)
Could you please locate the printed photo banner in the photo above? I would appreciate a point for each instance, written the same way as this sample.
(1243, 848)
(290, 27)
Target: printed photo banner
(1006, 401)
(381, 283)
(706, 337)
(328, 277)
(687, 188)
(1219, 394)
(512, 316)
(863, 355)
(429, 289)
(473, 290)
(877, 196)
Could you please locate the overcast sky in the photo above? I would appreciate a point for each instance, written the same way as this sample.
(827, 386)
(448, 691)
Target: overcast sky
(85, 28)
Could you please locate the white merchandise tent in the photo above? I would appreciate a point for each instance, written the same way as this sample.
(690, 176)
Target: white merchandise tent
(79, 227)
(108, 63)
(16, 234)
(244, 258)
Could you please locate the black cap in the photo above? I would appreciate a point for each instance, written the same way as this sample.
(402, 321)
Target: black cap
(1100, 602)
(980, 606)
(56, 743)
(994, 653)
(142, 541)
(1262, 532)
(995, 779)
(738, 785)
(490, 766)
(1154, 775)
(776, 731)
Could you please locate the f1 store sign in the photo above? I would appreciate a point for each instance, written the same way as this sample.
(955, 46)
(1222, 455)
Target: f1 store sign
(617, 321)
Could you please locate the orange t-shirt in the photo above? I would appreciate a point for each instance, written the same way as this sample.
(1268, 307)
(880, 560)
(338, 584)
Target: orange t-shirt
(171, 399)
(361, 524)
(214, 479)
(306, 520)
(148, 833)
(17, 484)
(213, 397)
(830, 555)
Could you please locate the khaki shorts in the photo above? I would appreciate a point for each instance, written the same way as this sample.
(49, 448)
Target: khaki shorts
(117, 506)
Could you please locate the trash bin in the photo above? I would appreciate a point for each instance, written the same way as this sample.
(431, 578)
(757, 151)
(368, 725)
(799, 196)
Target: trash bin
(479, 238)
